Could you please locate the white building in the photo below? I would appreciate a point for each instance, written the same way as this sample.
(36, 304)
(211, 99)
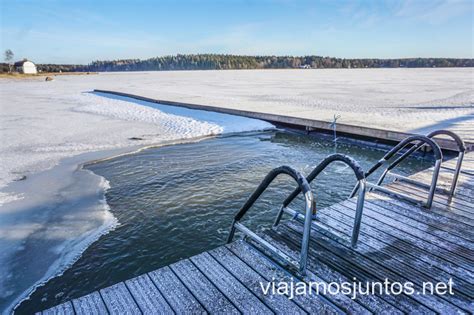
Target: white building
(25, 66)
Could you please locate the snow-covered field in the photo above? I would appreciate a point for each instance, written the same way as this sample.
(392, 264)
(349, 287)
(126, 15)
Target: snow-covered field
(48, 129)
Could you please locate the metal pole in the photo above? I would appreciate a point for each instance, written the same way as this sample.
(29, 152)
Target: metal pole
(456, 173)
(358, 214)
(434, 182)
(279, 215)
(306, 232)
(334, 127)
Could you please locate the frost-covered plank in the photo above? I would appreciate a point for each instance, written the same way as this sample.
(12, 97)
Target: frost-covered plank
(61, 309)
(375, 210)
(321, 271)
(175, 293)
(406, 233)
(442, 211)
(209, 296)
(464, 187)
(147, 296)
(240, 296)
(118, 300)
(382, 237)
(460, 202)
(422, 214)
(280, 304)
(90, 304)
(381, 267)
(457, 246)
(398, 253)
(313, 304)
(454, 206)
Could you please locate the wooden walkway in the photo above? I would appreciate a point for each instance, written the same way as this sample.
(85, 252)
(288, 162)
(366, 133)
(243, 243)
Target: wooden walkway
(399, 241)
(464, 130)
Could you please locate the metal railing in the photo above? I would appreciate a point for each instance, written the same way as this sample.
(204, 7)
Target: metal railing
(358, 172)
(420, 142)
(309, 208)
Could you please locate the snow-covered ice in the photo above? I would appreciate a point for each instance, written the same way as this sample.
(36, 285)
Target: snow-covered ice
(48, 129)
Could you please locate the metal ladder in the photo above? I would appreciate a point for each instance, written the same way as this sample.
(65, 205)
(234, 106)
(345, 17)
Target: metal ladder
(420, 142)
(358, 172)
(310, 208)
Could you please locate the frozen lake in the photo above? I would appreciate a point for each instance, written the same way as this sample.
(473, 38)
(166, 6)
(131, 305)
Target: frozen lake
(48, 205)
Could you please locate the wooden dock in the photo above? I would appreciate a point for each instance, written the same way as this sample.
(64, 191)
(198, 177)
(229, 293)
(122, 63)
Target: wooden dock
(399, 241)
(351, 130)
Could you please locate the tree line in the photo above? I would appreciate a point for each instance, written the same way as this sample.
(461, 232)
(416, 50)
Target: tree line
(223, 62)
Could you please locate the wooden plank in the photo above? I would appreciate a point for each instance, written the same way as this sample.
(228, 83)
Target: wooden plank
(403, 231)
(459, 202)
(147, 296)
(434, 234)
(272, 272)
(356, 266)
(280, 304)
(464, 186)
(454, 206)
(462, 200)
(422, 214)
(370, 243)
(90, 304)
(320, 272)
(209, 296)
(175, 293)
(334, 263)
(435, 209)
(118, 300)
(61, 309)
(376, 264)
(382, 237)
(240, 296)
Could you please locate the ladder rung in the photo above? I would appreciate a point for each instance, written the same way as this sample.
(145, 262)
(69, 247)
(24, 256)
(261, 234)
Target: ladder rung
(463, 171)
(417, 183)
(316, 224)
(409, 180)
(280, 254)
(395, 194)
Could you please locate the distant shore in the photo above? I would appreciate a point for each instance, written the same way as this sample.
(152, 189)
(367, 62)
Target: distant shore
(16, 75)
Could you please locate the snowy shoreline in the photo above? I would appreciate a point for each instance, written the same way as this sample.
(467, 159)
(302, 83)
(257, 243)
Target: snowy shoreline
(73, 248)
(54, 213)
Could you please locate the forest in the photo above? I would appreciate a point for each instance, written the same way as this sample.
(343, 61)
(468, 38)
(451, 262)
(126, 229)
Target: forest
(224, 62)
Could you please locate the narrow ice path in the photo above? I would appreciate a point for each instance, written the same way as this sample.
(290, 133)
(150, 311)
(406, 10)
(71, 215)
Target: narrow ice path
(50, 216)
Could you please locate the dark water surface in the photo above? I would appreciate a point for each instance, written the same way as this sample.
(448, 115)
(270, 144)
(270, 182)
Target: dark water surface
(175, 202)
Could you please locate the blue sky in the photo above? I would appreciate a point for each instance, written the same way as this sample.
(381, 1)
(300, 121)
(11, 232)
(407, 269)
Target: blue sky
(81, 31)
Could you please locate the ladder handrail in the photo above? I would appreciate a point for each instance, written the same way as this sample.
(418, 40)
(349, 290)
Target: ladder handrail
(358, 172)
(401, 145)
(461, 149)
(421, 140)
(309, 207)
